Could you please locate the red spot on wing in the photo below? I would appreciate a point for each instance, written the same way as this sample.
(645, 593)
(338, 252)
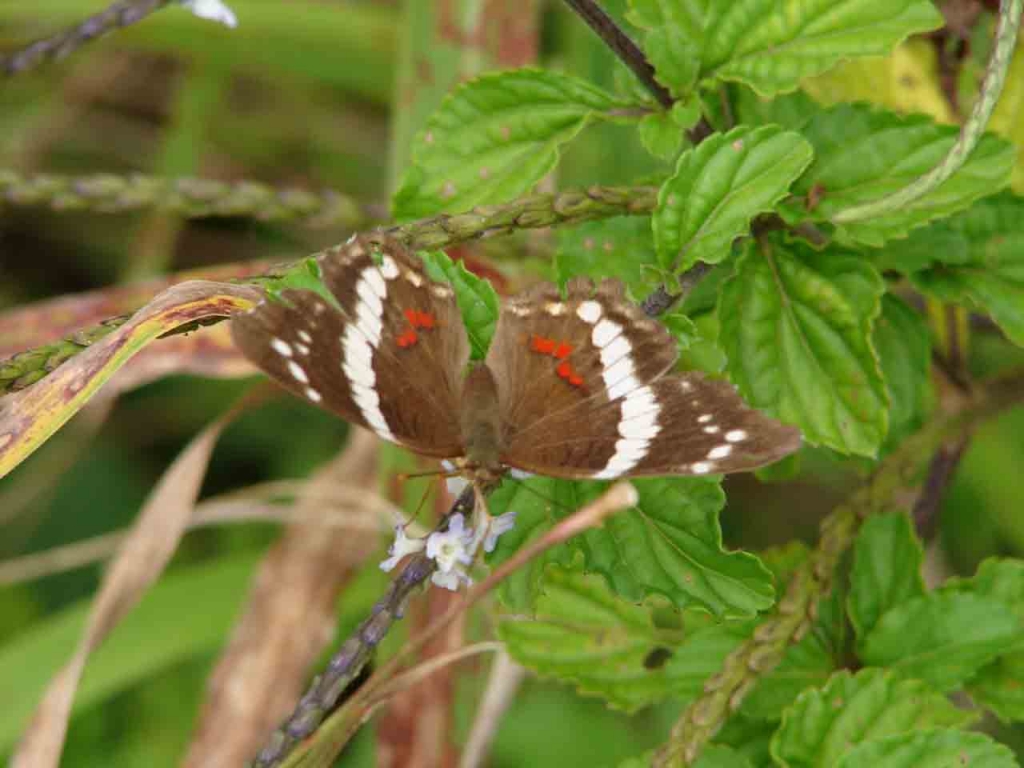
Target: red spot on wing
(407, 339)
(563, 351)
(542, 345)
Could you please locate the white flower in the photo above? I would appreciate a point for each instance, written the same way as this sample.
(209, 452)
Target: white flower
(451, 581)
(452, 548)
(214, 10)
(402, 546)
(497, 526)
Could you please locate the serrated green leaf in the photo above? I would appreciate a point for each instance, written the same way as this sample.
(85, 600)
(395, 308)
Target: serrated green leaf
(942, 638)
(825, 723)
(478, 302)
(621, 247)
(887, 559)
(804, 665)
(719, 186)
(660, 135)
(987, 271)
(669, 544)
(671, 43)
(493, 138)
(998, 577)
(999, 687)
(767, 44)
(862, 154)
(905, 352)
(938, 747)
(582, 632)
(796, 325)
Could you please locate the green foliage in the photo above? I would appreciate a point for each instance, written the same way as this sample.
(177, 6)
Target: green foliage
(581, 631)
(719, 187)
(886, 570)
(826, 723)
(943, 637)
(863, 154)
(476, 297)
(669, 544)
(766, 44)
(796, 321)
(930, 747)
(495, 137)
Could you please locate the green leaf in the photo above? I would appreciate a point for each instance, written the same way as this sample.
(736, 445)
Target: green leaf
(478, 302)
(719, 186)
(905, 352)
(582, 632)
(660, 135)
(938, 747)
(804, 665)
(999, 686)
(493, 138)
(767, 44)
(671, 43)
(997, 577)
(987, 272)
(862, 154)
(825, 723)
(669, 544)
(302, 276)
(702, 653)
(887, 559)
(942, 638)
(621, 247)
(796, 326)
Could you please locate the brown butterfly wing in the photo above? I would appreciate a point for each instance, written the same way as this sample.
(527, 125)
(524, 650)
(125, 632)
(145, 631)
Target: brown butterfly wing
(387, 353)
(586, 391)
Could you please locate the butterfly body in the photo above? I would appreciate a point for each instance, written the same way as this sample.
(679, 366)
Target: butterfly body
(573, 386)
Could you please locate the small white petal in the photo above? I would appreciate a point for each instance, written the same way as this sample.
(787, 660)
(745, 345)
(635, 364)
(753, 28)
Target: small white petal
(212, 10)
(499, 525)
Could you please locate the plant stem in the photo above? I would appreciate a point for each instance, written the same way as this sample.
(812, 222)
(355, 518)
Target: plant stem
(188, 197)
(970, 133)
(622, 46)
(118, 15)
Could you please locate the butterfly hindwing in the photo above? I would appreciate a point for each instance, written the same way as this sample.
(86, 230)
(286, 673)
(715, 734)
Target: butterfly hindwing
(586, 391)
(388, 355)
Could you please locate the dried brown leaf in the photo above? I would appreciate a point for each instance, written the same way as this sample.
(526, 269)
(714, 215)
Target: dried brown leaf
(29, 417)
(145, 553)
(289, 619)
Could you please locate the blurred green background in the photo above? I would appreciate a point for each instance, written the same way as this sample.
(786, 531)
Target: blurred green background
(301, 94)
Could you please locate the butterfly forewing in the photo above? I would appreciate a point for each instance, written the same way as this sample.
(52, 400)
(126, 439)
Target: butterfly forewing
(585, 392)
(389, 356)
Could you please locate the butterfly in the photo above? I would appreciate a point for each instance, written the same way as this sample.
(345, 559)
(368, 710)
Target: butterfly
(580, 385)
